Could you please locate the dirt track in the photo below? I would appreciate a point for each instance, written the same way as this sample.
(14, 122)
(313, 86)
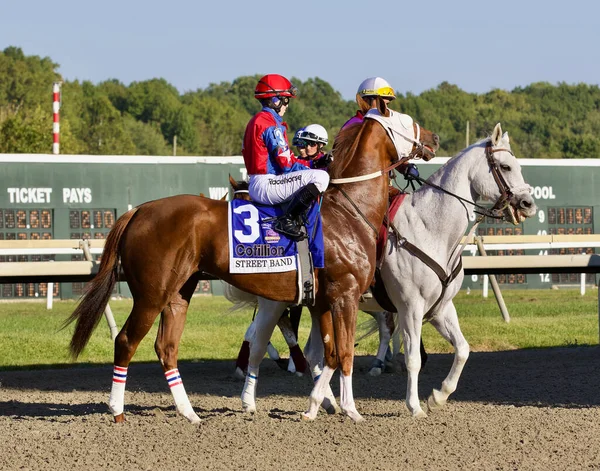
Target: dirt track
(537, 409)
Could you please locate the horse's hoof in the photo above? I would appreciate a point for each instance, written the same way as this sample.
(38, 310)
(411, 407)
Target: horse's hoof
(239, 374)
(119, 419)
(307, 417)
(332, 409)
(435, 401)
(354, 415)
(299, 374)
(249, 408)
(419, 414)
(192, 417)
(375, 371)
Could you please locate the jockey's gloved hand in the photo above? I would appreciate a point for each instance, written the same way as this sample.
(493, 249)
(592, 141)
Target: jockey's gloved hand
(323, 162)
(410, 171)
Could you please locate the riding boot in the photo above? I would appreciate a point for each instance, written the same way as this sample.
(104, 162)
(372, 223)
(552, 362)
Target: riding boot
(290, 223)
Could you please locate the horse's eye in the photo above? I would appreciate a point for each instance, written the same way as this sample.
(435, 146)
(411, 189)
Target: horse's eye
(505, 168)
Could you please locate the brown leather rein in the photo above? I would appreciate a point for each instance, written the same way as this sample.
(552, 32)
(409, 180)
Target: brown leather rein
(446, 279)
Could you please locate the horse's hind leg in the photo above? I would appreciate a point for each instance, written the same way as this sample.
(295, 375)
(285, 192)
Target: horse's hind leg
(321, 393)
(314, 355)
(135, 329)
(447, 325)
(378, 364)
(411, 324)
(297, 359)
(297, 362)
(241, 363)
(267, 316)
(170, 329)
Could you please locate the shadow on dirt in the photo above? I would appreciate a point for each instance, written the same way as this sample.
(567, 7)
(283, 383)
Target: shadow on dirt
(555, 377)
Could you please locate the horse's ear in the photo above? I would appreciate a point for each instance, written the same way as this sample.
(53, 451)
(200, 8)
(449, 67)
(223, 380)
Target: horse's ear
(382, 107)
(497, 134)
(505, 137)
(232, 182)
(362, 104)
(224, 197)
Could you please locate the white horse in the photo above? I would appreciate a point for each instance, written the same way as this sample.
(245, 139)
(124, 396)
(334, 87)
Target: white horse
(430, 221)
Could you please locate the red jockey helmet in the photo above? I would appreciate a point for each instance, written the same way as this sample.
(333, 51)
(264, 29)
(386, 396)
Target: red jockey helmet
(272, 85)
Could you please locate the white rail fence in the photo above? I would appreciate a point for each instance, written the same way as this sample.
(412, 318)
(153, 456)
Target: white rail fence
(83, 271)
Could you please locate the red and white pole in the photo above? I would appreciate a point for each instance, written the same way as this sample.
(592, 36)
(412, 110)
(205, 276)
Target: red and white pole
(55, 117)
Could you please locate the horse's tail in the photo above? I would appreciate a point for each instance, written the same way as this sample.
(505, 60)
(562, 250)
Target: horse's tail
(240, 299)
(94, 301)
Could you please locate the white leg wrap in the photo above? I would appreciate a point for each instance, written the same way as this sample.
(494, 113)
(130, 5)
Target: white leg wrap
(182, 402)
(249, 391)
(318, 393)
(347, 398)
(116, 402)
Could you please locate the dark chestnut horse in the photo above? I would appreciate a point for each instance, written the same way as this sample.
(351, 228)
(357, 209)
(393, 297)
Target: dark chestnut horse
(167, 244)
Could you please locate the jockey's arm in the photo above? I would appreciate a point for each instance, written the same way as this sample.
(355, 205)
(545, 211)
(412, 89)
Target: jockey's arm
(280, 154)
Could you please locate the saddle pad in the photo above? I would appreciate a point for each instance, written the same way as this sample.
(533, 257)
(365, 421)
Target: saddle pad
(395, 203)
(254, 247)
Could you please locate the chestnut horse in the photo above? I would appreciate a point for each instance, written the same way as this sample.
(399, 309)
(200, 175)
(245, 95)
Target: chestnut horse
(167, 244)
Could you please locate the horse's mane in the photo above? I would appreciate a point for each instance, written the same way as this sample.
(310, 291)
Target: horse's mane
(344, 145)
(480, 143)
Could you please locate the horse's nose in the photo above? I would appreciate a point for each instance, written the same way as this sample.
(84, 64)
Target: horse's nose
(526, 204)
(436, 139)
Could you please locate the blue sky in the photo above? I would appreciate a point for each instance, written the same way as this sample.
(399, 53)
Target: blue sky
(476, 45)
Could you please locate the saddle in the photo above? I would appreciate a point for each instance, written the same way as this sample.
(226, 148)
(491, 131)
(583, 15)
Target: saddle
(256, 247)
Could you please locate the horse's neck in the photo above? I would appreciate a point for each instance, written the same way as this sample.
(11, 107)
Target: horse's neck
(370, 196)
(444, 219)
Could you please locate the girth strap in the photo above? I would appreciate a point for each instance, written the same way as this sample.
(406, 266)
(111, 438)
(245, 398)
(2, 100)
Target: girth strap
(444, 278)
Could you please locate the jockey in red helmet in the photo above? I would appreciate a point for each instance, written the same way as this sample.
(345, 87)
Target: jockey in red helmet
(275, 175)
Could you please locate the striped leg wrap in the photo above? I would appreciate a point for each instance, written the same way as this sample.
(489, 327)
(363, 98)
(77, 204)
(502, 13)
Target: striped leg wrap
(116, 401)
(180, 397)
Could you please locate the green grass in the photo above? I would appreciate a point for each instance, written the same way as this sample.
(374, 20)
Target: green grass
(30, 335)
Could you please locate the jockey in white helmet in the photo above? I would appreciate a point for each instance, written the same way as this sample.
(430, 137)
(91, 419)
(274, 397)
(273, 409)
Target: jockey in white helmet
(314, 137)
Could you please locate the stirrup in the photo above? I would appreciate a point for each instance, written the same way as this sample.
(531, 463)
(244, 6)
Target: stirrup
(293, 231)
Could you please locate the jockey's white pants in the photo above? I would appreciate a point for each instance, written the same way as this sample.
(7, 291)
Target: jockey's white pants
(275, 189)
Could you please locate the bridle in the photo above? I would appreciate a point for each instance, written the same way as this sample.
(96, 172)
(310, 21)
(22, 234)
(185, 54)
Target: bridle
(506, 192)
(497, 211)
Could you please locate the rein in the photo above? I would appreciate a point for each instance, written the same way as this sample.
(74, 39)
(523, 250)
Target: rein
(505, 194)
(505, 191)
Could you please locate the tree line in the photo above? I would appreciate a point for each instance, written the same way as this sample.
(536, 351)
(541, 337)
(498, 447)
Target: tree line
(143, 118)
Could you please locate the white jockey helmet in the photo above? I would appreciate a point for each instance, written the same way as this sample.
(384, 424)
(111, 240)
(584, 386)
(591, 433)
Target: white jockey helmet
(297, 141)
(376, 86)
(314, 133)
